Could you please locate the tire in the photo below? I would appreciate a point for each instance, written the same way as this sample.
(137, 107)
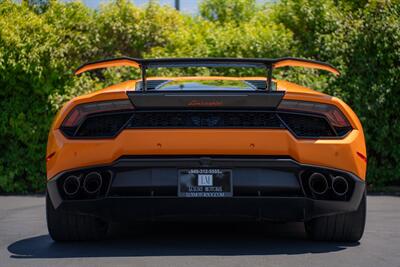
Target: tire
(65, 226)
(348, 227)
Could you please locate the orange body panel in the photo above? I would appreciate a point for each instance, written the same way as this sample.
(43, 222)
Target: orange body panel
(101, 65)
(340, 154)
(295, 63)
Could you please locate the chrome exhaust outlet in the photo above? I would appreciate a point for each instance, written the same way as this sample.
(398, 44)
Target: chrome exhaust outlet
(340, 186)
(92, 183)
(318, 183)
(71, 185)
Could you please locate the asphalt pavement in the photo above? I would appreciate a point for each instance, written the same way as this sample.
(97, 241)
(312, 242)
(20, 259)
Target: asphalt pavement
(24, 241)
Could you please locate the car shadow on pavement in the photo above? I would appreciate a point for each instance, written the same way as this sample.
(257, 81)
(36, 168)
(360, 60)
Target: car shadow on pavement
(183, 239)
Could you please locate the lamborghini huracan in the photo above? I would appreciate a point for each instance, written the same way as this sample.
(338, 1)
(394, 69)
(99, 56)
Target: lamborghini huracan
(206, 148)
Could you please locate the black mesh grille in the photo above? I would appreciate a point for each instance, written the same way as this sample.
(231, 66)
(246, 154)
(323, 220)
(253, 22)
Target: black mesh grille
(205, 120)
(342, 131)
(103, 125)
(307, 126)
(110, 124)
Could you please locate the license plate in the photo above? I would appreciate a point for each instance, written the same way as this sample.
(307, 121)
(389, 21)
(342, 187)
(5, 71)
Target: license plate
(204, 183)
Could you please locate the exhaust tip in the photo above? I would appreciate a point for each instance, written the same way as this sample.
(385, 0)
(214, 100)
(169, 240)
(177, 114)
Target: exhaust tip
(92, 183)
(71, 185)
(340, 186)
(318, 183)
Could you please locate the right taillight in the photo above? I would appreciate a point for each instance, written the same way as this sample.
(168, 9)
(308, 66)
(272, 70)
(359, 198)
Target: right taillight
(97, 119)
(335, 123)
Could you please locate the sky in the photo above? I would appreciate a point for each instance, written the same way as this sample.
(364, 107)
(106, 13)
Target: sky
(187, 6)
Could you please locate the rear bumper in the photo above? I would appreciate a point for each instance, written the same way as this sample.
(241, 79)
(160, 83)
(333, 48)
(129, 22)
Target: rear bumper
(332, 153)
(144, 189)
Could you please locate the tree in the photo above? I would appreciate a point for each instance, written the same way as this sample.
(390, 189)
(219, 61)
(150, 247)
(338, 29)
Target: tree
(224, 11)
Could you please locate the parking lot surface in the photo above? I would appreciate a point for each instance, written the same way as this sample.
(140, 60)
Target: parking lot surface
(24, 241)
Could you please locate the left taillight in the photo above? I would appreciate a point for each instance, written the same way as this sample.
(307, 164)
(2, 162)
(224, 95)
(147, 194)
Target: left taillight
(97, 119)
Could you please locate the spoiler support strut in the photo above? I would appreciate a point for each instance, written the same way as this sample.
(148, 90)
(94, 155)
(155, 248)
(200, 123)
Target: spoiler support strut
(144, 81)
(269, 78)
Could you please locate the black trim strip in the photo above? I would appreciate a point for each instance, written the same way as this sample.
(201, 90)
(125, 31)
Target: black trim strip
(206, 99)
(277, 113)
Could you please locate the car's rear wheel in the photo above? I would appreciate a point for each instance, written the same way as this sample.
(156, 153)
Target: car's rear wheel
(347, 227)
(65, 226)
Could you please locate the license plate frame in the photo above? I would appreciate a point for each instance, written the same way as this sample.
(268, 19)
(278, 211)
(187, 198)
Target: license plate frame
(205, 183)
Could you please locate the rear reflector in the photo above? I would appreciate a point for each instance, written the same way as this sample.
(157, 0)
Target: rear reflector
(50, 156)
(363, 157)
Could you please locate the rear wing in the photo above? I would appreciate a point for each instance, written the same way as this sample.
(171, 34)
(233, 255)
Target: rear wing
(268, 64)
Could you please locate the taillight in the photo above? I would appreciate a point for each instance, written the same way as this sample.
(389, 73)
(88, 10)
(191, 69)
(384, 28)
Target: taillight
(334, 116)
(83, 115)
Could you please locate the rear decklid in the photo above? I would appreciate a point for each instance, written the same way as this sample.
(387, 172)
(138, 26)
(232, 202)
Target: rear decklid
(205, 99)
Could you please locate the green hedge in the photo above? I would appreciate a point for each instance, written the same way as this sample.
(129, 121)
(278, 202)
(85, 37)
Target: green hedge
(42, 42)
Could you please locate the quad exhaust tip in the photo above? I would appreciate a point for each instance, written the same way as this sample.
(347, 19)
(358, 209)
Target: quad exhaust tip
(71, 185)
(92, 182)
(318, 183)
(340, 186)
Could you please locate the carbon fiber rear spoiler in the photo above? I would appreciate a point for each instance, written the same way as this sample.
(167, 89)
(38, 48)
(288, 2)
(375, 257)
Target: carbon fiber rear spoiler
(267, 63)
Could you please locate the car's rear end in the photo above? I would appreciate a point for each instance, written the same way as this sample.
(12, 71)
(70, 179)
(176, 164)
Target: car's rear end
(206, 148)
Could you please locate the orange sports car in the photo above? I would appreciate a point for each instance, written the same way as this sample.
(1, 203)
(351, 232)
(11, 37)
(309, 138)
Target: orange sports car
(203, 148)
